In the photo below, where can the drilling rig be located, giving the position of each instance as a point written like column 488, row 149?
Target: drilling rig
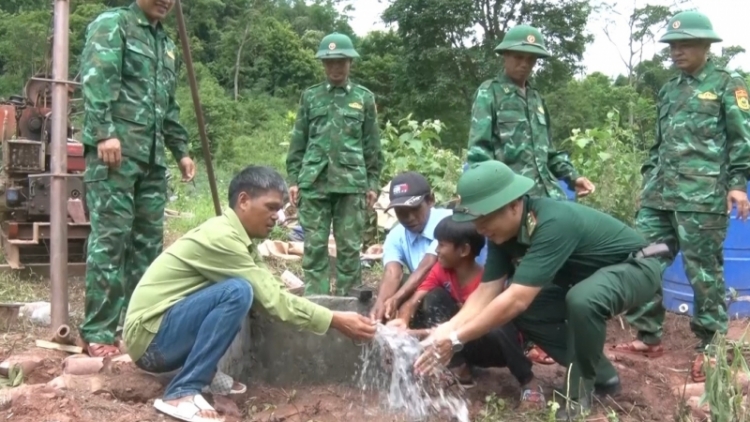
column 44, row 222
column 25, row 180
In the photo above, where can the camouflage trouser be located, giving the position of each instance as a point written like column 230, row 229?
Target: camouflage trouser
column 316, row 213
column 126, row 206
column 700, row 237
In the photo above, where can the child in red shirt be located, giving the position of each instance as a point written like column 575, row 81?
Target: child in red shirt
column 445, row 289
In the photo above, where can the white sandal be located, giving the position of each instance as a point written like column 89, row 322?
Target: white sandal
column 187, row 410
column 223, row 385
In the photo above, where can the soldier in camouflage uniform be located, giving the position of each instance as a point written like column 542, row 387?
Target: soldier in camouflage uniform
column 696, row 172
column 334, row 164
column 129, row 74
column 510, row 122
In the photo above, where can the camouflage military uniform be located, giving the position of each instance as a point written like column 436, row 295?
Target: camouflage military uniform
column 129, row 74
column 335, row 159
column 702, row 151
column 513, row 126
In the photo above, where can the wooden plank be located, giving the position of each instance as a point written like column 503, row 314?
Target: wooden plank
column 55, row 346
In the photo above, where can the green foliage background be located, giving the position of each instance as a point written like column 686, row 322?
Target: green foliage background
column 253, row 58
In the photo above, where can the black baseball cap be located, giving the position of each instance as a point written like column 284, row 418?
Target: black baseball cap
column 408, row 189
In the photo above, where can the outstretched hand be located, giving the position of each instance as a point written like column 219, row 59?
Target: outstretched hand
column 354, row 325
column 438, row 351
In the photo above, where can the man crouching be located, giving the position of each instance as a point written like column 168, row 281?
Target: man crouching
column 190, row 303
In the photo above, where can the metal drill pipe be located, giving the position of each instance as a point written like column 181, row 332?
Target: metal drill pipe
column 197, row 104
column 59, row 167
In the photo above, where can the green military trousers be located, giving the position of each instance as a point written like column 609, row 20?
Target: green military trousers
column 700, row 237
column 570, row 325
column 126, row 208
column 317, row 211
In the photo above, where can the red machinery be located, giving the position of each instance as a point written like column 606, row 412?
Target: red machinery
column 25, row 180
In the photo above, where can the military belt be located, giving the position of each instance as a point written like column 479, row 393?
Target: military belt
column 653, row 250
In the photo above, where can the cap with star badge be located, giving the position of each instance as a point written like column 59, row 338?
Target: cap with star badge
column 336, row 46
column 524, row 39
column 690, row 25
column 486, row 187
column 408, row 189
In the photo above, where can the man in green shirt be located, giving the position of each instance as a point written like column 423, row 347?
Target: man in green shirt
column 580, row 267
column 190, row 303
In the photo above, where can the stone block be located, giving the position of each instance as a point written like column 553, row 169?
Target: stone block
column 284, row 355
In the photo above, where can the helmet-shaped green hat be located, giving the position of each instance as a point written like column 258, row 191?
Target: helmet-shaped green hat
column 690, row 25
column 526, row 39
column 336, row 46
column 486, row 187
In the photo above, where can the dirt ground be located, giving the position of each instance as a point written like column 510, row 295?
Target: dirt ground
column 122, row 393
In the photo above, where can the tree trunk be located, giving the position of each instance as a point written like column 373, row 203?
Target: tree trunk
column 237, row 63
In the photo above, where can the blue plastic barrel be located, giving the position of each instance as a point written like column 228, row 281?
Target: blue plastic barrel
column 678, row 294
column 482, row 258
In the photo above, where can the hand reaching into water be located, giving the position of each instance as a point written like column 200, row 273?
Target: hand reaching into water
column 398, row 323
column 354, row 325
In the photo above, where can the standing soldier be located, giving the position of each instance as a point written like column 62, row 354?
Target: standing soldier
column 334, row 166
column 510, row 123
column 697, row 170
column 129, row 76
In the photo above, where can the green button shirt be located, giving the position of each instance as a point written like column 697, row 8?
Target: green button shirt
column 514, row 128
column 335, row 145
column 129, row 78
column 702, row 147
column 215, row 251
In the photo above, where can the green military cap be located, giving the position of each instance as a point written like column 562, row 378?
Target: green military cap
column 690, row 25
column 336, row 46
column 486, row 187
column 526, row 39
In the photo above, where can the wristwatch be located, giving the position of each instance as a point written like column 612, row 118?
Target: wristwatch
column 455, row 342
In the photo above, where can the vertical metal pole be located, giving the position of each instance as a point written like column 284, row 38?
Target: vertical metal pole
column 197, row 104
column 59, row 167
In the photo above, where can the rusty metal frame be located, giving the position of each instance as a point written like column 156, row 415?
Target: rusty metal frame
column 59, row 165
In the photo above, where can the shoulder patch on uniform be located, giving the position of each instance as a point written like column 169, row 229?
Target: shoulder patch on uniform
column 707, row 96
column 530, row 223
column 355, row 105
column 742, row 101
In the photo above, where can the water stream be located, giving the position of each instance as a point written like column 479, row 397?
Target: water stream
column 387, row 373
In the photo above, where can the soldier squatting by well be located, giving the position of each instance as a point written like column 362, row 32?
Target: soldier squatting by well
column 555, row 271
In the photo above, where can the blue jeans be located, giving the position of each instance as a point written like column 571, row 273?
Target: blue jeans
column 194, row 335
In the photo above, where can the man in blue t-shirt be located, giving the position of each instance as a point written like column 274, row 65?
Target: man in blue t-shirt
column 411, row 243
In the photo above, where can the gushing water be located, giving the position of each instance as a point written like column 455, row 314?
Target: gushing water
column 387, row 370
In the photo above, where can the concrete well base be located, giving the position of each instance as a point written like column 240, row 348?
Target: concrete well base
column 274, row 353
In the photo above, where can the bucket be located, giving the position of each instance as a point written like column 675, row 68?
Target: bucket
column 678, row 294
